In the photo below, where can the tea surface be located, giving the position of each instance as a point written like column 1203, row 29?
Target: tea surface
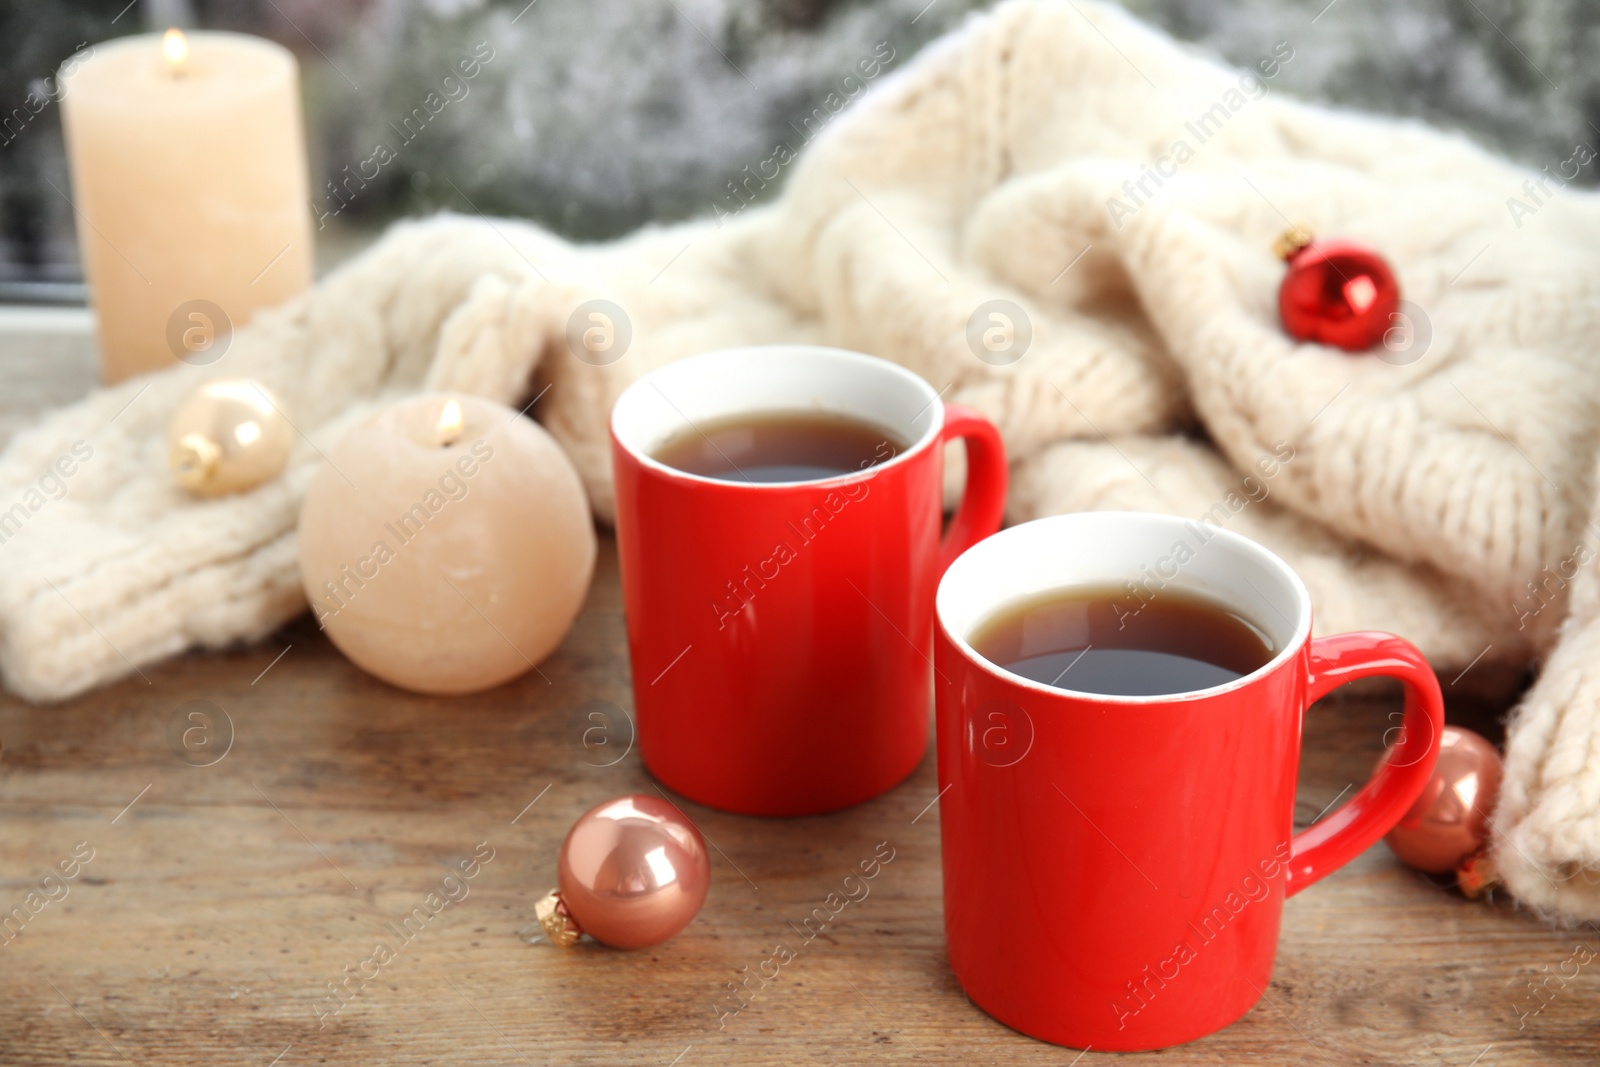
column 1105, row 640
column 782, row 446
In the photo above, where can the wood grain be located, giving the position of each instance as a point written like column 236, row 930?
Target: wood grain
column 222, row 899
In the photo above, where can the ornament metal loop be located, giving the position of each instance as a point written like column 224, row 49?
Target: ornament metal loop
column 194, row 460
column 551, row 911
column 1291, row 241
column 1477, row 877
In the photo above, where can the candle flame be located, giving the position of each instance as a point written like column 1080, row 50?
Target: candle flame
column 175, row 49
column 450, row 423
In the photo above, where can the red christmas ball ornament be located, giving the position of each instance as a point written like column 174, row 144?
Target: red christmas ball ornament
column 632, row 873
column 1448, row 827
column 1335, row 292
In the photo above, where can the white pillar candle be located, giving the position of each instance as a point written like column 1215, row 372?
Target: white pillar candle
column 189, row 190
column 446, row 545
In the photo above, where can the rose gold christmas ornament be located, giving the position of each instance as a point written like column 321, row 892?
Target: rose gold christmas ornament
column 1449, row 823
column 633, row 872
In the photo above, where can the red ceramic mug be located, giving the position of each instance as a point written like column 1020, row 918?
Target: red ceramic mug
column 781, row 634
column 1115, row 867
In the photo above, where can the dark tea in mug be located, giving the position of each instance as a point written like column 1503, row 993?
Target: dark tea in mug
column 780, row 446
column 1102, row 640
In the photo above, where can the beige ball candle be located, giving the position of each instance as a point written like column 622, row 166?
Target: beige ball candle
column 446, row 544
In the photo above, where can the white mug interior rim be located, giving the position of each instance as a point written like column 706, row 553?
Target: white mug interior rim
column 1100, row 548
column 759, row 379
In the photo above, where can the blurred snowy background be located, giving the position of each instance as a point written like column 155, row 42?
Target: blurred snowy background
column 594, row 116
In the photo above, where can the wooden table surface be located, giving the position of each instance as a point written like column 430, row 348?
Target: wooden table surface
column 222, row 899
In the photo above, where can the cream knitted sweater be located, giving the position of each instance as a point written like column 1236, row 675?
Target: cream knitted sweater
column 1121, row 192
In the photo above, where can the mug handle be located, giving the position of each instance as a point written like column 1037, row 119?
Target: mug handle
column 1384, row 801
column 983, row 501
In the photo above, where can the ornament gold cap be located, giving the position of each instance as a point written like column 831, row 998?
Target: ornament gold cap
column 1291, row 241
column 558, row 923
column 193, row 460
column 1477, row 876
